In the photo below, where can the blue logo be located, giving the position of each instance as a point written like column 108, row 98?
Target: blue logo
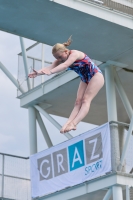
column 94, row 167
column 76, row 155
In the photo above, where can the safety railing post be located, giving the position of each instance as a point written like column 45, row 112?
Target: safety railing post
column 2, row 185
column 112, row 116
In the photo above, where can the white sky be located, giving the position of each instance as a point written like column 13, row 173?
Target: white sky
column 14, row 130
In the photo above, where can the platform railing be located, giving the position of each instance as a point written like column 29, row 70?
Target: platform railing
column 123, row 6
column 34, row 61
column 14, row 177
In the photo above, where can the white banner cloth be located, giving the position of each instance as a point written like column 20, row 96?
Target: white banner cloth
column 82, row 158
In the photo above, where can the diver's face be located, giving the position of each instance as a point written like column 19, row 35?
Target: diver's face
column 61, row 56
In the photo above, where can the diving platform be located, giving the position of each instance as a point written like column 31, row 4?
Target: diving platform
column 64, row 87
column 103, row 31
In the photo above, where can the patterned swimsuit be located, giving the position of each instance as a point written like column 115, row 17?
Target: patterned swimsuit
column 85, row 68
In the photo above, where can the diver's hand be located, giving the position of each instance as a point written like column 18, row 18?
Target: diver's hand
column 45, row 71
column 35, row 74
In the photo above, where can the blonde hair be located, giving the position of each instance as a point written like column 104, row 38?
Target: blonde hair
column 63, row 46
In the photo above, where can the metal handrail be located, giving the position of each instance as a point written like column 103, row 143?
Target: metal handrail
column 45, row 61
column 5, row 175
column 112, row 5
column 5, row 154
column 119, row 123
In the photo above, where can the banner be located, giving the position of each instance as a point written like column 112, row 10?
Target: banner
column 82, row 158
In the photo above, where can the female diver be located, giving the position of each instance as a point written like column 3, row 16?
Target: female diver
column 91, row 82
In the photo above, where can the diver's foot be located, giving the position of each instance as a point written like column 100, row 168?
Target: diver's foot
column 63, row 128
column 70, row 127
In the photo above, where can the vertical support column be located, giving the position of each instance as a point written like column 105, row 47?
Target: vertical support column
column 32, row 79
column 42, row 60
column 110, row 94
column 25, row 61
column 112, row 116
column 117, row 193
column 121, row 143
column 130, row 193
column 2, row 189
column 32, row 130
column 44, row 130
column 126, row 143
column 127, row 193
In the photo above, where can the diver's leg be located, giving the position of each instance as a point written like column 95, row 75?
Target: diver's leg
column 77, row 106
column 95, row 84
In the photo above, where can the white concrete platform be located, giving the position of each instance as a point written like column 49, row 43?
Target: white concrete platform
column 57, row 97
column 101, row 33
column 94, row 189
